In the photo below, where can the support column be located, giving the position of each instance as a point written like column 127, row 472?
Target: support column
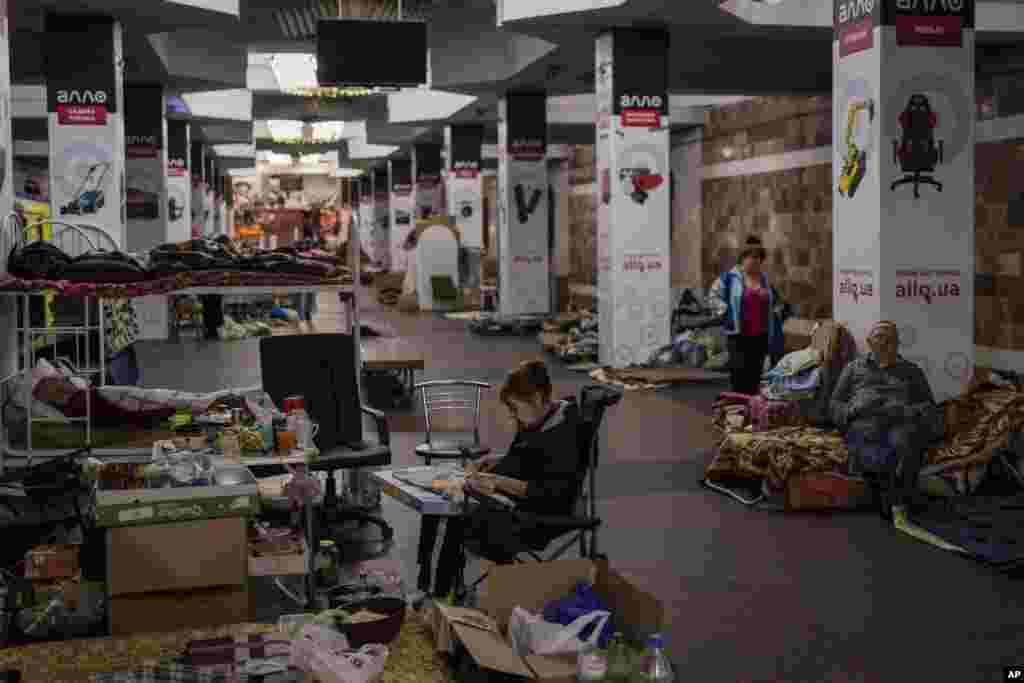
column 523, row 260
column 366, row 213
column 145, row 165
column 381, row 218
column 85, row 101
column 633, row 214
column 466, row 195
column 561, row 256
column 402, row 208
column 209, row 207
column 198, row 203
column 8, row 340
column 903, row 213
column 179, row 190
column 427, row 171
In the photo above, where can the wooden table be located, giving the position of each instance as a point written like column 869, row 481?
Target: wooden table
column 394, row 355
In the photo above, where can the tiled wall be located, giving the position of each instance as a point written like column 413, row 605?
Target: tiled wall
column 999, row 246
column 790, row 210
column 583, row 217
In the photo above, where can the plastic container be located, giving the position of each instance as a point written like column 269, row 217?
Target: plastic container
column 326, row 564
column 620, row 661
column 655, row 665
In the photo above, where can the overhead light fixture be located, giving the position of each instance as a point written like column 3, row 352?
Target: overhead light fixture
column 309, row 159
column 320, row 132
column 348, row 173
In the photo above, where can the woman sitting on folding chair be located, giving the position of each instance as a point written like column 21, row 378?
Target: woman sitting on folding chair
column 540, row 473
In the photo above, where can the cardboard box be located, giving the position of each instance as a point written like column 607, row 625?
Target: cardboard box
column 177, row 610
column 156, row 506
column 52, row 562
column 532, row 586
column 290, row 564
column 172, row 557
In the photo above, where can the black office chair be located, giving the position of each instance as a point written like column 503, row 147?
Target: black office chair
column 917, row 152
column 321, row 369
column 593, row 402
column 443, row 399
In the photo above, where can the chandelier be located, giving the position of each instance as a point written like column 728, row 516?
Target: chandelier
column 331, row 93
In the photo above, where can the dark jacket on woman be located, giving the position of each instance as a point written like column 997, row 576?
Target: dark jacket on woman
column 547, row 458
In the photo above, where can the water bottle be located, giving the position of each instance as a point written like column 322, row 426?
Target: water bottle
column 591, row 664
column 619, row 666
column 655, row 666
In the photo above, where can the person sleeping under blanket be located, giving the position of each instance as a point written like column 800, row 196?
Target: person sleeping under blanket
column 889, row 418
column 73, row 400
column 540, row 472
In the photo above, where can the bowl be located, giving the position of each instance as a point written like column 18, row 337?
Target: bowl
column 382, row 631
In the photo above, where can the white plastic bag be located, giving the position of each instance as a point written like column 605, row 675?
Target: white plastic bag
column 530, row 634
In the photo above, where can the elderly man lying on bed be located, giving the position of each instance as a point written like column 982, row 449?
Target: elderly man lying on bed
column 885, row 407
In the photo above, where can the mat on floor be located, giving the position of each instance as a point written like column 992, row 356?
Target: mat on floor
column 412, row 657
column 990, row 530
column 467, row 316
column 633, row 379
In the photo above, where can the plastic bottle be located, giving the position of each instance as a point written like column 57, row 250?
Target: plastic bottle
column 619, row 665
column 591, row 664
column 655, row 666
column 326, row 564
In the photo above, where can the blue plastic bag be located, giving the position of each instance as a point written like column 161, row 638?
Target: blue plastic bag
column 583, row 600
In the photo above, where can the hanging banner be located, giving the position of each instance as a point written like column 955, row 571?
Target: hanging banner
column 634, row 283
column 179, row 183
column 429, row 189
column 86, row 128
column 402, row 206
column 904, row 109
column 145, row 167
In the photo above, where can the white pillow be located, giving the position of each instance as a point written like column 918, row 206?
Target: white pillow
column 24, row 398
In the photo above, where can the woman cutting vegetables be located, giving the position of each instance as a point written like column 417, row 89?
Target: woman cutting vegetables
column 539, row 473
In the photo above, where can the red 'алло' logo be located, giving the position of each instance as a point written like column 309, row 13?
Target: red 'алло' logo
column 928, row 286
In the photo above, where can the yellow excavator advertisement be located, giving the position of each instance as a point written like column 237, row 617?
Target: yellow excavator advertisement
column 855, row 161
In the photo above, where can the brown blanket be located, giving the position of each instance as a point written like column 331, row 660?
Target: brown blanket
column 978, row 425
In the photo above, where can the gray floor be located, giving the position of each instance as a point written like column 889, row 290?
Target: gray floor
column 751, row 596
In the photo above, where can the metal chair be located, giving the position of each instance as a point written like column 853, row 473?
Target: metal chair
column 581, row 528
column 447, row 398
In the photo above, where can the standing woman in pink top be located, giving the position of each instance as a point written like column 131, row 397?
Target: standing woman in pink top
column 752, row 317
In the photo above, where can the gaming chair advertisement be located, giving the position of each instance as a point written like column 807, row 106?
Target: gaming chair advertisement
column 429, row 188
column 145, row 167
column 524, row 260
column 403, row 211
column 903, row 208
column 634, row 208
column 179, row 183
column 86, row 128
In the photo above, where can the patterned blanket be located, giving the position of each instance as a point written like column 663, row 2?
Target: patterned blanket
column 978, row 425
column 170, row 283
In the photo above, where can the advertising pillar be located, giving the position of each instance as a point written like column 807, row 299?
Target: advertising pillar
column 85, row 104
column 8, row 340
column 465, row 196
column 209, row 187
column 633, row 212
column 179, row 185
column 523, row 258
column 366, row 214
column 402, row 207
column 144, row 167
column 198, row 203
column 381, row 218
column 429, row 189
column 903, row 213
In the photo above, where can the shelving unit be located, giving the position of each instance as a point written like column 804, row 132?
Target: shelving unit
column 75, row 239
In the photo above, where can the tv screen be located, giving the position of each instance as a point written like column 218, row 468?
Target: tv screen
column 291, row 183
column 368, row 53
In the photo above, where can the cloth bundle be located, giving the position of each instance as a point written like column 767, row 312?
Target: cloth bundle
column 797, row 377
